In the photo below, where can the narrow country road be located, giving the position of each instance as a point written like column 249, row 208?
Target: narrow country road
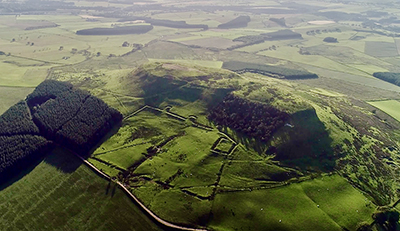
column 154, row 216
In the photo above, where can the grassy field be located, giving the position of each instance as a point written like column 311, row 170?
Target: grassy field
column 62, row 194
column 12, row 95
column 327, row 203
column 315, row 60
column 352, row 78
column 221, row 43
column 16, row 76
column 391, row 107
column 184, row 172
column 381, row 49
column 184, row 161
column 203, row 63
column 175, row 180
column 326, row 92
column 335, row 196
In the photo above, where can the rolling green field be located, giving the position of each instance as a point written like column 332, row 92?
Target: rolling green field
column 381, row 49
column 319, row 204
column 63, row 194
column 190, row 173
column 12, row 95
column 170, row 155
column 391, row 107
column 205, row 63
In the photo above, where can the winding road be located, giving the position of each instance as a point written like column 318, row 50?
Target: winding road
column 149, row 212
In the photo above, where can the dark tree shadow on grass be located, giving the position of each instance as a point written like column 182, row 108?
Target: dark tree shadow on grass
column 63, row 160
column 9, row 178
column 66, row 161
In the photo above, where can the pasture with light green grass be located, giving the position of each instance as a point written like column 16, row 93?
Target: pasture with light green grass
column 284, row 208
column 391, row 107
column 262, row 174
column 335, row 196
column 12, row 95
column 314, row 60
column 327, row 203
column 189, row 162
column 181, row 165
column 203, row 63
column 15, row 76
column 381, row 49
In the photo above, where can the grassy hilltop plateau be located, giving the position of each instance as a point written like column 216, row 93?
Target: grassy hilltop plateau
column 199, row 115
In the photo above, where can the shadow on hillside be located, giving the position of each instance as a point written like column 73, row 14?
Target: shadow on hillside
column 303, row 142
column 250, row 143
column 58, row 157
column 306, row 143
column 66, row 161
column 7, row 180
column 188, row 94
column 63, row 160
column 185, row 93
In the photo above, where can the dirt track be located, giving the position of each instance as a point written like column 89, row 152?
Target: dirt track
column 149, row 212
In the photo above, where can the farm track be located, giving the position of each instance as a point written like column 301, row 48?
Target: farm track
column 119, row 148
column 108, row 164
column 18, row 86
column 135, row 112
column 148, row 211
column 37, row 60
column 120, row 102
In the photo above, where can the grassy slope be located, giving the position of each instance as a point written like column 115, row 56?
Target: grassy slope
column 391, row 107
column 334, row 213
column 50, row 198
column 187, row 164
column 275, row 209
column 125, row 157
column 326, row 203
column 11, row 95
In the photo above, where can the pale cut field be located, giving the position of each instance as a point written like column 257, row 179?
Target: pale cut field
column 322, row 22
column 204, row 63
column 217, row 42
column 391, row 107
column 12, row 95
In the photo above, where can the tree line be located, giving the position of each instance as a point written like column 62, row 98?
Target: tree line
column 175, row 24
column 165, row 22
column 253, row 119
column 74, row 118
column 19, row 151
column 50, row 89
column 54, row 112
column 390, row 77
column 93, row 121
column 277, row 35
column 238, row 22
column 123, row 30
column 280, row 72
column 17, row 120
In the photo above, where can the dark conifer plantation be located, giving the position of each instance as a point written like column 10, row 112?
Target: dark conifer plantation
column 17, row 120
column 250, row 118
column 390, row 77
column 54, row 112
column 19, row 151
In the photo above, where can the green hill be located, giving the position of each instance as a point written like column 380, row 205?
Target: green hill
column 62, row 194
column 178, row 161
column 185, row 163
